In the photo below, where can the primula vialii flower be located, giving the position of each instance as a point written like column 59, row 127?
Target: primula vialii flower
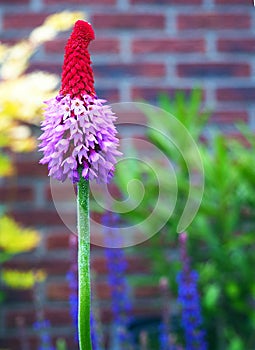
column 78, row 128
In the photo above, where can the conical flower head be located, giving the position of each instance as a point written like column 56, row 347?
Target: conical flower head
column 77, row 76
column 78, row 130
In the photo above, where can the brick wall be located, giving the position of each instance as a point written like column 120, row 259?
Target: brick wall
column 142, row 48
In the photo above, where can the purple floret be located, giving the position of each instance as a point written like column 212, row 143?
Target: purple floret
column 79, row 133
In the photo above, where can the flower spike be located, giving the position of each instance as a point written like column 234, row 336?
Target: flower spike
column 77, row 76
column 78, row 130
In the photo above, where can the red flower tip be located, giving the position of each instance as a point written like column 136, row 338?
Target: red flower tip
column 77, row 76
column 85, row 30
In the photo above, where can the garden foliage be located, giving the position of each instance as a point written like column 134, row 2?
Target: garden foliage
column 221, row 242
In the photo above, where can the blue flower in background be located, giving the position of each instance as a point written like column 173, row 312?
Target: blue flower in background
column 73, row 300
column 189, row 299
column 164, row 337
column 95, row 339
column 117, row 267
column 43, row 327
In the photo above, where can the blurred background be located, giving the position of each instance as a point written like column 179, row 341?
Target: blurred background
column 192, row 58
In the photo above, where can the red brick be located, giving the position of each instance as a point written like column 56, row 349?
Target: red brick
column 168, row 2
column 28, row 315
column 147, row 291
column 59, row 291
column 129, row 116
column 236, row 46
column 128, row 21
column 239, row 137
column 16, row 2
column 18, row 295
column 82, row 2
column 149, row 310
column 135, row 264
column 23, row 20
column 105, row 45
column 56, row 46
column 61, row 192
column 146, row 46
column 112, row 95
column 50, row 266
column 16, row 193
column 234, row 2
column 152, row 93
column 58, row 316
column 138, row 264
column 103, row 291
column 10, row 343
column 54, row 267
column 213, row 69
column 214, row 21
column 25, row 168
column 35, row 217
column 236, row 94
column 58, row 241
column 121, row 71
column 98, row 46
column 229, row 117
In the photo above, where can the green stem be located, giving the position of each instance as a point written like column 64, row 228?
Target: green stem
column 84, row 265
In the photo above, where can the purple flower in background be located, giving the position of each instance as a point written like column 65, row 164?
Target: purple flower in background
column 164, row 327
column 79, row 133
column 189, row 299
column 43, row 327
column 117, row 267
column 96, row 338
column 164, row 337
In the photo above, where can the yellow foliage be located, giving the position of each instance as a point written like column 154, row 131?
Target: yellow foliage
column 16, row 60
column 6, row 168
column 22, row 279
column 14, row 239
column 53, row 24
column 22, row 98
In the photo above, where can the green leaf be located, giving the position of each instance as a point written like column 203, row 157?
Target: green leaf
column 236, row 344
column 61, row 344
column 212, row 295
